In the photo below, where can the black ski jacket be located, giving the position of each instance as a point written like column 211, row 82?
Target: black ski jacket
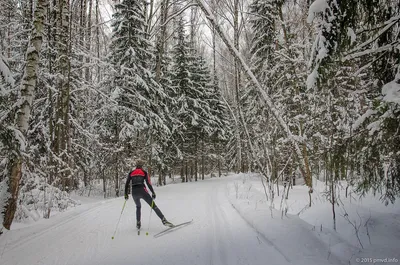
column 138, row 177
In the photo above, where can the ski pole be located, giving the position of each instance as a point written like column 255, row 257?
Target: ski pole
column 123, row 207
column 151, row 210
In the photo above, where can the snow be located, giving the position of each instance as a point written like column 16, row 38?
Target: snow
column 233, row 224
column 374, row 127
column 391, row 91
column 352, row 35
column 312, row 78
column 362, row 118
column 316, row 7
column 5, row 71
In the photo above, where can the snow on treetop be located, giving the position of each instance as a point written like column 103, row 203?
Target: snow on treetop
column 316, row 7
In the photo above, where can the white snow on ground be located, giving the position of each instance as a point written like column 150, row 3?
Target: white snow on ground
column 232, row 224
column 378, row 226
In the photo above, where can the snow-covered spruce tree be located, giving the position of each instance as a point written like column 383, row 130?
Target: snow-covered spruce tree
column 351, row 70
column 222, row 130
column 7, row 141
column 196, row 99
column 378, row 61
column 263, row 24
column 140, row 109
column 165, row 153
column 204, row 99
column 181, row 82
column 13, row 44
column 16, row 19
column 8, row 78
column 330, row 81
column 169, row 153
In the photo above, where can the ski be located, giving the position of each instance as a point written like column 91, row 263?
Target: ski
column 173, row 228
column 138, row 232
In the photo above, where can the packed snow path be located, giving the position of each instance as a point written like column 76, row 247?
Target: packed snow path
column 218, row 235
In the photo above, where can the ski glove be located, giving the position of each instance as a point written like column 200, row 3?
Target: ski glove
column 153, row 196
column 126, row 196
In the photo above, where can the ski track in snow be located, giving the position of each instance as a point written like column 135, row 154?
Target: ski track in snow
column 218, row 235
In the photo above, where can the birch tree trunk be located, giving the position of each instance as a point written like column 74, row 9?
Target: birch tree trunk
column 215, row 81
column 237, row 86
column 82, row 25
column 28, row 85
column 193, row 28
column 98, row 39
column 89, row 42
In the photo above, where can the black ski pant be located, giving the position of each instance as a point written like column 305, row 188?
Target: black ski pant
column 141, row 193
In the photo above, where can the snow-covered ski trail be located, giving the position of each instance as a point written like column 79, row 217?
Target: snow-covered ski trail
column 218, row 236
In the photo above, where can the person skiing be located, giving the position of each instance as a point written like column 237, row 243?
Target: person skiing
column 138, row 177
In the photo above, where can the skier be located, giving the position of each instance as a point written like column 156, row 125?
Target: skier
column 138, row 176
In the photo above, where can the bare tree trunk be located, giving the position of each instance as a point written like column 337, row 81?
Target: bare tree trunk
column 237, row 85
column 193, row 18
column 277, row 187
column 104, row 183
column 186, row 171
column 145, row 11
column 98, row 39
column 151, row 14
column 27, row 94
column 195, row 158
column 85, row 177
column 82, row 25
column 52, row 33
column 159, row 180
column 182, row 172
column 191, row 170
column 333, row 203
column 116, row 178
column 89, row 42
column 202, row 159
column 62, row 107
column 287, row 192
column 160, row 46
column 116, row 155
column 219, row 160
column 215, row 82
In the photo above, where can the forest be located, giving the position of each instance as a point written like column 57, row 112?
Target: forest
column 196, row 88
